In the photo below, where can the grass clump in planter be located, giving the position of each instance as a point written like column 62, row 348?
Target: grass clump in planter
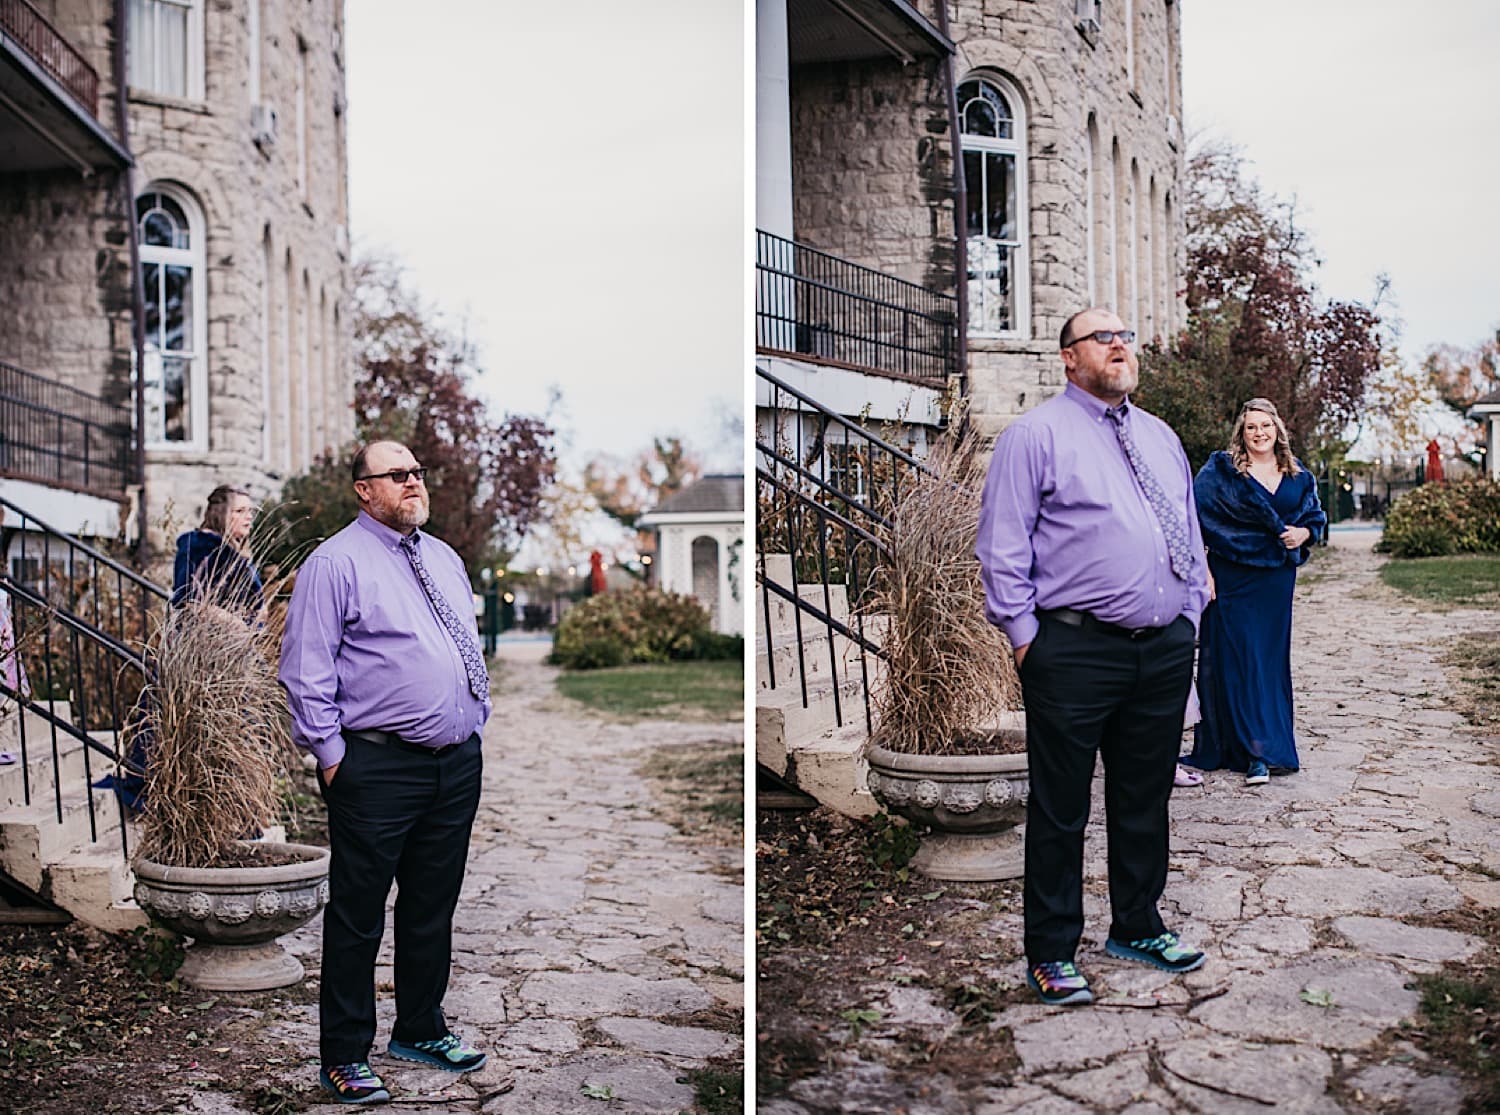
column 216, row 730
column 948, row 673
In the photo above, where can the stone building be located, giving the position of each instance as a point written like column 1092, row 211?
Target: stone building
column 938, row 188
column 174, row 264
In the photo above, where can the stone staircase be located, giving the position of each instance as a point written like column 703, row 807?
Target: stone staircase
column 65, row 860
column 814, row 743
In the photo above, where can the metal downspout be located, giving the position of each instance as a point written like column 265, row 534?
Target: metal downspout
column 137, row 301
column 960, row 210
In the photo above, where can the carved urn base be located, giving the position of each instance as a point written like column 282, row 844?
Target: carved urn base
column 974, row 805
column 235, row 914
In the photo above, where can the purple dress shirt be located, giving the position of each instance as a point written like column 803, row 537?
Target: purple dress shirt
column 363, row 648
column 1064, row 523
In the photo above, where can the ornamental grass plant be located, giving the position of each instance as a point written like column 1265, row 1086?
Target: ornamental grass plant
column 217, row 734
column 949, row 673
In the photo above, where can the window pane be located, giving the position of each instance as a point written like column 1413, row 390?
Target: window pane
column 974, row 191
column 177, row 313
column 983, row 110
column 172, row 40
column 990, row 294
column 151, row 295
column 140, row 53
column 1000, row 197
column 176, row 376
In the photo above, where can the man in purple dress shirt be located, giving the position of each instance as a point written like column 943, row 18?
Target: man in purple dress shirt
column 387, row 696
column 1093, row 567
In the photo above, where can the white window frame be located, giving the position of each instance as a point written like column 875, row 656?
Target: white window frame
column 195, row 257
column 1021, row 252
column 193, row 64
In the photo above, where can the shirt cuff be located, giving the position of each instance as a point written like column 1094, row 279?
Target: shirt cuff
column 1021, row 631
column 330, row 752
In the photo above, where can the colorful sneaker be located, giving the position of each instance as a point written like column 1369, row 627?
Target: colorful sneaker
column 1059, row 984
column 1258, row 775
column 1162, row 952
column 449, row 1052
column 353, row 1083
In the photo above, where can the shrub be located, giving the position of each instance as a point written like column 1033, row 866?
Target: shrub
column 643, row 625
column 711, row 646
column 1439, row 519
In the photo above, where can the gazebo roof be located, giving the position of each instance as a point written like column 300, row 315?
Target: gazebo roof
column 715, row 493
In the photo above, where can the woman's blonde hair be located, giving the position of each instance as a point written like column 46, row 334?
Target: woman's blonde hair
column 216, row 514
column 1239, row 452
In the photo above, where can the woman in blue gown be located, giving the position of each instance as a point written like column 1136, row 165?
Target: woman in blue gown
column 1260, row 513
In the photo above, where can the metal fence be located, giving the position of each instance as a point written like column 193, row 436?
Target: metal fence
column 56, row 434
column 814, row 305
column 22, row 22
column 72, row 658
column 825, row 487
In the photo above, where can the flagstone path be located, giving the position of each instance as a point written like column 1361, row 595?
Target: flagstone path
column 595, row 947
column 1315, row 896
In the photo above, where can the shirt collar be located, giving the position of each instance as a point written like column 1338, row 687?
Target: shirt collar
column 1094, row 406
column 390, row 539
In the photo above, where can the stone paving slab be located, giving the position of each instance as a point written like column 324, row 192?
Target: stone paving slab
column 1314, row 897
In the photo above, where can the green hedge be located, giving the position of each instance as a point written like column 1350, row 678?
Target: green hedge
column 643, row 625
column 1439, row 519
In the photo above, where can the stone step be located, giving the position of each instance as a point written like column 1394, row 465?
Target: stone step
column 832, row 768
column 783, row 724
column 783, row 613
column 95, row 885
column 32, row 838
column 71, row 770
column 792, row 660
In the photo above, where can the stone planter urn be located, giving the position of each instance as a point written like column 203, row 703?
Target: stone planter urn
column 974, row 805
column 235, row 914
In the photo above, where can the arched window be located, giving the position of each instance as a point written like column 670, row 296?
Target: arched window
column 994, row 154
column 166, row 47
column 170, row 227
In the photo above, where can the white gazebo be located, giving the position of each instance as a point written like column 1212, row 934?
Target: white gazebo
column 1487, row 410
column 700, row 547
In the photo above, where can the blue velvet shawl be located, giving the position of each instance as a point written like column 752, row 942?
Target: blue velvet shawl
column 1238, row 520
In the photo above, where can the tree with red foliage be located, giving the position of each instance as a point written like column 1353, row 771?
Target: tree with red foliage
column 1256, row 325
column 485, row 478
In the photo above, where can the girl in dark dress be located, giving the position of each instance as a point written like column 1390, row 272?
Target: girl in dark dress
column 1260, row 513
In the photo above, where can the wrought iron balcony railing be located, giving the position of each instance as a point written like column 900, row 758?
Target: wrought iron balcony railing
column 816, row 306
column 55, row 434
column 22, row 22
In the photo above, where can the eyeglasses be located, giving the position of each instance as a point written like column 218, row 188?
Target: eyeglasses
column 397, row 475
column 1105, row 336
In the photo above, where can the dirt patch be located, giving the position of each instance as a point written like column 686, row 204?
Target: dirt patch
column 860, row 959
column 97, row 1023
column 1474, row 663
column 701, row 789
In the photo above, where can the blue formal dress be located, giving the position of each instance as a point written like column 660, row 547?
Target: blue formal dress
column 1245, row 657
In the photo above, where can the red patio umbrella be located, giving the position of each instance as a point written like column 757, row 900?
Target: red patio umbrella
column 596, row 573
column 1434, row 462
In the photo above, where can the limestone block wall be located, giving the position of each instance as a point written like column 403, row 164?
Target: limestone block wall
column 872, row 173
column 275, row 221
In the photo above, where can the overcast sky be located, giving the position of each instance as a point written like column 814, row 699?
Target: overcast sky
column 568, row 181
column 1382, row 118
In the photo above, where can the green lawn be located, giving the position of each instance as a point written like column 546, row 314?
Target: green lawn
column 670, row 690
column 1463, row 579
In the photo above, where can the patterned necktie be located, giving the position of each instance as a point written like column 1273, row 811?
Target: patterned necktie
column 1171, row 519
column 468, row 650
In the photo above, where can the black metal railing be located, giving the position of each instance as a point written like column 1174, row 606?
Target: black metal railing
column 72, row 659
column 56, row 434
column 22, row 22
column 825, row 487
column 817, row 306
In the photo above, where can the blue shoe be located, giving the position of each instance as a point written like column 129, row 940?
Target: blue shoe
column 1059, row 984
column 1162, row 952
column 1257, row 775
column 449, row 1052
column 355, row 1082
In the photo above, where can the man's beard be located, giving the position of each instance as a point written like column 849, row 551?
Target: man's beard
column 411, row 515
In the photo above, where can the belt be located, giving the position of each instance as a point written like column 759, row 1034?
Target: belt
column 391, row 739
column 1074, row 618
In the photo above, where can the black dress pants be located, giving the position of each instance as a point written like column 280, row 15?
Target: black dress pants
column 394, row 813
column 1089, row 691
